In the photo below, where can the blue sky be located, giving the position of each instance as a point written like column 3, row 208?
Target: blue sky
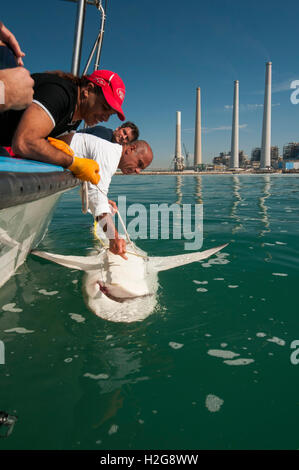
column 164, row 49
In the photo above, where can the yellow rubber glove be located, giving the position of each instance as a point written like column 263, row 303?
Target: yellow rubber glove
column 60, row 145
column 83, row 168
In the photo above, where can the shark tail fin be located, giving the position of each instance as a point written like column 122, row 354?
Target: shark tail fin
column 170, row 262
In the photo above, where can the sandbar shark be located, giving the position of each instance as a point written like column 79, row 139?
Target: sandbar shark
column 122, row 290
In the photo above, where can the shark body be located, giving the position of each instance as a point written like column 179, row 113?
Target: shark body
column 123, row 290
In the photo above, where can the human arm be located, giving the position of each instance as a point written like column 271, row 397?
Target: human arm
column 117, row 245
column 29, row 140
column 9, row 39
column 15, row 96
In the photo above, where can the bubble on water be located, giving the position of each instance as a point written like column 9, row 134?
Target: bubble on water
column 276, row 340
column 45, row 292
column 201, row 282
column 96, row 377
column 201, row 289
column 222, row 354
column 76, row 317
column 75, row 281
column 239, row 362
column 280, row 243
column 223, row 345
column 113, row 429
column 219, row 279
column 68, row 359
column 213, row 403
column 11, row 308
column 232, row 287
column 280, row 274
column 174, row 345
column 261, row 335
column 19, row 330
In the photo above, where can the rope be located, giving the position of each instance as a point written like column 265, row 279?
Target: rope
column 106, row 247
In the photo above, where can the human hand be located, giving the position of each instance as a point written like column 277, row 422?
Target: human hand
column 85, row 169
column 18, row 88
column 61, row 145
column 118, row 247
column 113, row 206
column 7, row 37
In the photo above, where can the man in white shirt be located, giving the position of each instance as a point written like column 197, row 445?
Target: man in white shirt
column 130, row 158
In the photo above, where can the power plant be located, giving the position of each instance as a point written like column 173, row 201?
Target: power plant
column 234, row 156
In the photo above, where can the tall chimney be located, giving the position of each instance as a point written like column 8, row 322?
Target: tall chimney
column 178, row 157
column 266, row 137
column 178, row 145
column 197, row 140
column 234, row 159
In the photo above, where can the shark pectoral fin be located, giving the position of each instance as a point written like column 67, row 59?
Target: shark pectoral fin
column 170, row 262
column 83, row 263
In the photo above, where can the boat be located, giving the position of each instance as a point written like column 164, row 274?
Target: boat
column 29, row 189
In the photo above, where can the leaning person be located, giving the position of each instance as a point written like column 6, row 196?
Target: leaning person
column 129, row 158
column 127, row 132
column 60, row 102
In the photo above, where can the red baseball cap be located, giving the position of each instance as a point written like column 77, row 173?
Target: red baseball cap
column 113, row 89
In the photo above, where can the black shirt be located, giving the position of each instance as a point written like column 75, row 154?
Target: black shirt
column 56, row 95
column 99, row 131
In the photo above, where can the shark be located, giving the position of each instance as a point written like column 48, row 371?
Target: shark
column 120, row 290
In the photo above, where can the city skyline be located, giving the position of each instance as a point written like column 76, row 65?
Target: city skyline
column 164, row 54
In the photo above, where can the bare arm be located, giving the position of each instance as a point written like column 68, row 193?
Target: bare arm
column 15, row 96
column 29, row 140
column 117, row 245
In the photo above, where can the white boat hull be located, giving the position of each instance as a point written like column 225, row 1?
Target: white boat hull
column 22, row 227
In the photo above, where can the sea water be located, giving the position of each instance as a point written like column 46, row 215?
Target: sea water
column 211, row 368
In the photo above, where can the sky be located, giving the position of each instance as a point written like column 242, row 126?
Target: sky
column 163, row 50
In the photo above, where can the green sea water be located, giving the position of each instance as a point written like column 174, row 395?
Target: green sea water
column 209, row 369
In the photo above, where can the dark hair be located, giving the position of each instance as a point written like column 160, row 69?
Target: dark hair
column 134, row 128
column 78, row 81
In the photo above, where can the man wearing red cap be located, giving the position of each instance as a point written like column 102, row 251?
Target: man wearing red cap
column 60, row 102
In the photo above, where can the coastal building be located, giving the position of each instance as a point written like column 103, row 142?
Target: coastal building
column 256, row 155
column 291, row 151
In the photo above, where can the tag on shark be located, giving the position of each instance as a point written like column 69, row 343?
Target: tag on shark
column 122, row 290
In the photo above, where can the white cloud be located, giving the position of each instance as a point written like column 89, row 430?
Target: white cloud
column 250, row 107
column 207, row 130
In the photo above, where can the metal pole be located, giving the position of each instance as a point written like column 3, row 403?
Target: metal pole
column 78, row 37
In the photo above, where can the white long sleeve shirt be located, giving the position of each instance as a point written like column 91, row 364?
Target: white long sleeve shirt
column 107, row 155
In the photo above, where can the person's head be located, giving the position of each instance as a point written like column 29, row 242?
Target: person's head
column 101, row 94
column 135, row 157
column 126, row 133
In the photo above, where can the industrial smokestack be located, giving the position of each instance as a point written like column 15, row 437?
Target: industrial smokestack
column 234, row 159
column 178, row 158
column 178, row 145
column 197, row 140
column 266, row 137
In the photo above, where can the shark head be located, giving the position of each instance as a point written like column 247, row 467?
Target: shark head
column 123, row 290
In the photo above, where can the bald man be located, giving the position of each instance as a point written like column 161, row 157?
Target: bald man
column 130, row 158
